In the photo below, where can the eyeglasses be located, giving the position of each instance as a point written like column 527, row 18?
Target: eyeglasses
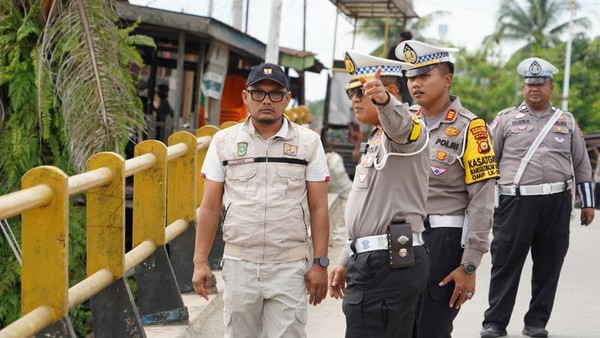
column 274, row 95
column 358, row 91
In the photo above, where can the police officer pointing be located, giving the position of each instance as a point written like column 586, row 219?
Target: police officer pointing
column 540, row 150
column 386, row 265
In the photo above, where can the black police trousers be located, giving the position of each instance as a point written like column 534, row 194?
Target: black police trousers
column 520, row 223
column 433, row 315
column 380, row 301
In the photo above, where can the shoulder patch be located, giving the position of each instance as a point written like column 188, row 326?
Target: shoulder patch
column 479, row 159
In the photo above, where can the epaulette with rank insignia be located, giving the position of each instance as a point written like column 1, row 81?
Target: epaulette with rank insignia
column 415, row 109
column 504, row 111
column 466, row 113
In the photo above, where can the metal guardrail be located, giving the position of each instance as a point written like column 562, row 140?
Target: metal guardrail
column 167, row 190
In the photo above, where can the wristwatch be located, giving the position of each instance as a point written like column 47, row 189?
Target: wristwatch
column 322, row 261
column 469, row 268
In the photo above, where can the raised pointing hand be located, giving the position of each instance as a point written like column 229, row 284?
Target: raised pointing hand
column 374, row 88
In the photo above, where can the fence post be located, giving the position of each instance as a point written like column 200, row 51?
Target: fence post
column 181, row 204
column 113, row 309
column 159, row 299
column 45, row 245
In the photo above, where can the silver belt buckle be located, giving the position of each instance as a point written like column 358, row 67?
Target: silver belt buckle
column 547, row 189
column 349, row 248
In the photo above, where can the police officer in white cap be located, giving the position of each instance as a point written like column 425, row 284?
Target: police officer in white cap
column 386, row 265
column 460, row 201
column 540, row 150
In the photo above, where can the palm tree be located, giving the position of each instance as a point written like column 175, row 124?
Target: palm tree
column 537, row 22
column 86, row 57
column 375, row 29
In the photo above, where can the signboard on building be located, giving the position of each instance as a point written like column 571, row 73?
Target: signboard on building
column 214, row 76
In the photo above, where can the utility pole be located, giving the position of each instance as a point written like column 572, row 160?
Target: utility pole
column 272, row 54
column 565, row 93
column 237, row 9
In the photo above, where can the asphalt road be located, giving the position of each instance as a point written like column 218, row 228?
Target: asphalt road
column 576, row 311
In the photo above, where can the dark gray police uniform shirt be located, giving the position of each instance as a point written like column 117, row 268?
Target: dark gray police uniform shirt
column 515, row 129
column 399, row 189
column 448, row 192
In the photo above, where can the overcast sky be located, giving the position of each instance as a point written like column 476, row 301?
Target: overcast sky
column 468, row 23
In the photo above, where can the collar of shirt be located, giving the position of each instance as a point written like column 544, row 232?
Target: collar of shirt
column 282, row 133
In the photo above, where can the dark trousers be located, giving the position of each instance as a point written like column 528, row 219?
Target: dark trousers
column 597, row 195
column 433, row 315
column 380, row 301
column 520, row 223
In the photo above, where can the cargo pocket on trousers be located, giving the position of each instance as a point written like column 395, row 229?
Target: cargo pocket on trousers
column 302, row 316
column 351, row 305
column 501, row 246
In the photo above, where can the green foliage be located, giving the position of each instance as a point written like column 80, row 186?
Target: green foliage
column 375, row 28
column 19, row 140
column 77, row 246
column 86, row 57
column 33, row 129
column 535, row 22
column 486, row 87
column 10, row 280
column 80, row 315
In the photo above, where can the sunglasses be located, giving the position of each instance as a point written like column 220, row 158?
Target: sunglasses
column 358, row 91
column 274, row 95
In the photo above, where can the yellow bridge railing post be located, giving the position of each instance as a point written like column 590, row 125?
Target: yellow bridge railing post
column 181, row 204
column 159, row 299
column 163, row 210
column 149, row 196
column 105, row 217
column 45, row 245
column 114, row 311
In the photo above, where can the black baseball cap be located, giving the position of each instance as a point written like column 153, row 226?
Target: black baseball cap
column 267, row 71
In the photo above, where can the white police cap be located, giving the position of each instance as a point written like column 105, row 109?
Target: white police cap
column 359, row 64
column 424, row 57
column 536, row 70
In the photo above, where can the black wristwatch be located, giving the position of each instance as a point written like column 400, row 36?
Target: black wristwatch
column 469, row 268
column 322, row 261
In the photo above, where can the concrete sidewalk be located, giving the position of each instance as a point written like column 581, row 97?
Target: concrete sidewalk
column 575, row 315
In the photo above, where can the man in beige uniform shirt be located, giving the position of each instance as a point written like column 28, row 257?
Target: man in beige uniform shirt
column 271, row 175
column 460, row 201
column 535, row 201
column 385, row 273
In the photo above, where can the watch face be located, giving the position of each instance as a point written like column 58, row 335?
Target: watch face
column 469, row 268
column 322, row 261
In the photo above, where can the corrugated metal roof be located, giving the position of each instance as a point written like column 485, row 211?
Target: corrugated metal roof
column 361, row 9
column 195, row 25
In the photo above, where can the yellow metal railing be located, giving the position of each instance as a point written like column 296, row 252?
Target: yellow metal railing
column 166, row 192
